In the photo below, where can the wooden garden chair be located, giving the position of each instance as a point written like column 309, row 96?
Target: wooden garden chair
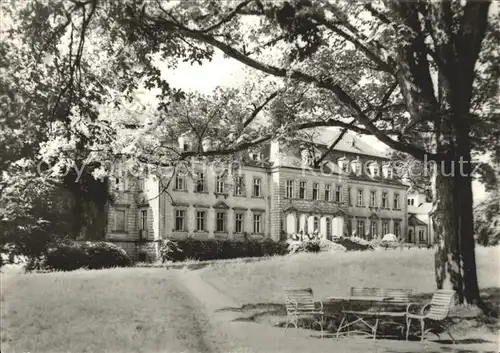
column 437, row 311
column 301, row 303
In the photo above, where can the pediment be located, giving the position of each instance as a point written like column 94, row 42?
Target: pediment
column 290, row 209
column 374, row 216
column 339, row 213
column 221, row 205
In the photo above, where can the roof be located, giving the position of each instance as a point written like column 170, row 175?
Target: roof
column 424, row 208
column 413, row 220
column 328, row 136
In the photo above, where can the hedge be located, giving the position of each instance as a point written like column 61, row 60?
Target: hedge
column 195, row 249
column 70, row 256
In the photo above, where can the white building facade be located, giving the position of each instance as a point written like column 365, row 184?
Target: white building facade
column 272, row 194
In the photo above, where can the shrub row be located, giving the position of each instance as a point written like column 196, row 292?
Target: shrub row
column 194, row 249
column 354, row 244
column 70, row 256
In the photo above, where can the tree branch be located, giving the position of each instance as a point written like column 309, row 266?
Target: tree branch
column 259, row 108
column 341, row 95
column 357, row 43
column 332, row 146
column 227, row 18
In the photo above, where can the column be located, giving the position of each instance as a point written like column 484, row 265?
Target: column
column 291, row 224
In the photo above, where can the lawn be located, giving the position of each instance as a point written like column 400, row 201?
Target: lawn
column 119, row 310
column 333, row 273
column 156, row 310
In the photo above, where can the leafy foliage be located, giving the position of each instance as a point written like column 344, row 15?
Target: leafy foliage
column 91, row 255
column 401, row 71
column 193, row 249
column 487, row 220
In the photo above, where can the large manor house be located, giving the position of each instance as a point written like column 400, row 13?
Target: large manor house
column 275, row 193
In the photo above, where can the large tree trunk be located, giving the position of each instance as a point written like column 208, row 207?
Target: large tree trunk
column 455, row 263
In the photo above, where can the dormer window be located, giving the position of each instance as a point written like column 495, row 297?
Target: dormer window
column 184, row 142
column 387, row 171
column 255, row 156
column 374, row 170
column 305, row 155
column 356, row 166
column 343, row 163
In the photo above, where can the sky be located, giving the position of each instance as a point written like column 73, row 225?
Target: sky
column 229, row 72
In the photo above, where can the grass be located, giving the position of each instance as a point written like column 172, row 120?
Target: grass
column 152, row 309
column 334, row 273
column 258, row 288
column 119, row 310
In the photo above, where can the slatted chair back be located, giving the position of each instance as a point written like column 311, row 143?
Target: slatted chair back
column 299, row 301
column 399, row 296
column 440, row 304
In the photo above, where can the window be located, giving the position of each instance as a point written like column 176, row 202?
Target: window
column 257, row 187
column 257, row 223
column 338, row 193
column 315, row 191
column 219, row 186
column 141, row 184
column 179, row 220
column 349, row 200
column 143, row 223
column 375, row 171
column 316, row 224
column 121, row 181
column 397, row 228
column 238, row 185
column 200, row 221
column 220, row 225
column 356, row 167
column 421, row 235
column 328, row 191
column 302, row 190
column 396, row 201
column 179, row 183
column 361, row 228
column 239, row 223
column 373, row 199
column 349, row 226
column 373, row 229
column 200, row 182
column 360, row 202
column 120, row 220
column 289, row 189
column 384, row 199
column 385, row 227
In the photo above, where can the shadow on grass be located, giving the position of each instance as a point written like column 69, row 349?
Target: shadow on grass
column 391, row 329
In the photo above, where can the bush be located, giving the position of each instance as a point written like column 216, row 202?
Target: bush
column 105, row 255
column 354, row 243
column 65, row 257
column 303, row 246
column 70, row 256
column 183, row 249
column 328, row 245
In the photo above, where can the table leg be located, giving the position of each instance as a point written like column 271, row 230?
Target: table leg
column 340, row 326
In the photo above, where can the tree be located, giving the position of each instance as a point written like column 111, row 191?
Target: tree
column 400, row 71
column 433, row 60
